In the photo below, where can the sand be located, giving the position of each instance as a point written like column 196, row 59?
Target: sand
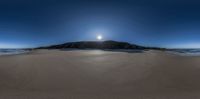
column 96, row 74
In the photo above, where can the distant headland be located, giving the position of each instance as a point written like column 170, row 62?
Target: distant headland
column 109, row 44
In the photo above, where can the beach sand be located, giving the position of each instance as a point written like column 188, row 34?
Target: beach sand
column 96, row 74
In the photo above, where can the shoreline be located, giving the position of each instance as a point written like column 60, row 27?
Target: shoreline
column 185, row 54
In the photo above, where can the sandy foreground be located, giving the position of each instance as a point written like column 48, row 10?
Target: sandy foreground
column 96, row 74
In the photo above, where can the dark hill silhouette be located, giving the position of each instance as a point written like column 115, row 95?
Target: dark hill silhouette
column 95, row 45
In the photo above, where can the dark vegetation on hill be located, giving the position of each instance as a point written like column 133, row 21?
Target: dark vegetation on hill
column 97, row 45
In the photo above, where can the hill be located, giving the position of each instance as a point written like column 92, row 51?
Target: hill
column 95, row 45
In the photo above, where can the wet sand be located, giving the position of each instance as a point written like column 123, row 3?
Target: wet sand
column 96, row 74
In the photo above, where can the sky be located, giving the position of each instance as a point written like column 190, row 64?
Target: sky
column 158, row 23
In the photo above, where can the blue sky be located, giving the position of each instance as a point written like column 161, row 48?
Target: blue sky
column 160, row 23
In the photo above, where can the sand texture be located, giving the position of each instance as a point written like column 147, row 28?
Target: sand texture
column 96, row 74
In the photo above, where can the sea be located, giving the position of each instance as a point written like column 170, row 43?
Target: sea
column 186, row 52
column 12, row 51
column 182, row 52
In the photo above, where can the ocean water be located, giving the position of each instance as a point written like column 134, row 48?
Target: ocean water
column 12, row 51
column 187, row 52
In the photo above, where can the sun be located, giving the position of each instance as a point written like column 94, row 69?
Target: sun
column 99, row 37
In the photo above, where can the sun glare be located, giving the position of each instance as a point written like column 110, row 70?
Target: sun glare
column 99, row 37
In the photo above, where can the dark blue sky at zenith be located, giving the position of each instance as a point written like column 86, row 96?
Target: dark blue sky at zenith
column 161, row 23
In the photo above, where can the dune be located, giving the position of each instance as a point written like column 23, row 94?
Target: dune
column 97, row 74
